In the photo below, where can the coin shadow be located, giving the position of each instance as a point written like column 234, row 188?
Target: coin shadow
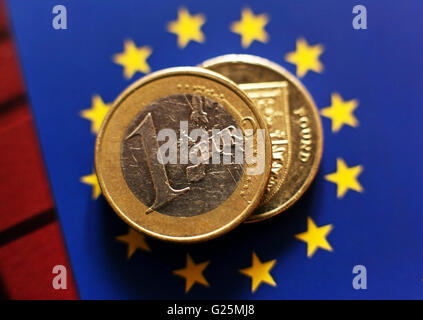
column 145, row 274
column 149, row 275
column 269, row 239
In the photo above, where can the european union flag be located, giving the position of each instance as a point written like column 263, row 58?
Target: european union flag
column 355, row 234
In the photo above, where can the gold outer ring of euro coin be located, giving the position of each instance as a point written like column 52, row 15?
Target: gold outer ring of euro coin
column 173, row 202
column 297, row 139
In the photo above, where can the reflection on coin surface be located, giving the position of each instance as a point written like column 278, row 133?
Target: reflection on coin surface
column 294, row 126
column 172, row 155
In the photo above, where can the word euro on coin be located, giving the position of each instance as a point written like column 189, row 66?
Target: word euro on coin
column 183, row 155
column 293, row 121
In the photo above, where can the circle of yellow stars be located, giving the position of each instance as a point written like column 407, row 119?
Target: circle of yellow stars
column 134, row 240
column 345, row 178
column 193, row 273
column 133, row 59
column 96, row 113
column 187, row 27
column 91, row 179
column 259, row 272
column 251, row 27
column 340, row 112
column 315, row 237
column 306, row 57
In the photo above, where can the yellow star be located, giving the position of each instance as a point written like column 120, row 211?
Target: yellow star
column 187, row 27
column 259, row 272
column 251, row 27
column 193, row 273
column 133, row 59
column 134, row 241
column 315, row 237
column 345, row 178
column 96, row 113
column 340, row 112
column 91, row 180
column 306, row 57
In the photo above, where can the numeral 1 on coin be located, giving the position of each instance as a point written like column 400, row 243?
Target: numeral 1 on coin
column 164, row 192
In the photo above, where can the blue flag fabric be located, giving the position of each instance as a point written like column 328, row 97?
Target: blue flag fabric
column 355, row 234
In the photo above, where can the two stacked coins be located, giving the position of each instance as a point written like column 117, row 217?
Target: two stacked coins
column 187, row 154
